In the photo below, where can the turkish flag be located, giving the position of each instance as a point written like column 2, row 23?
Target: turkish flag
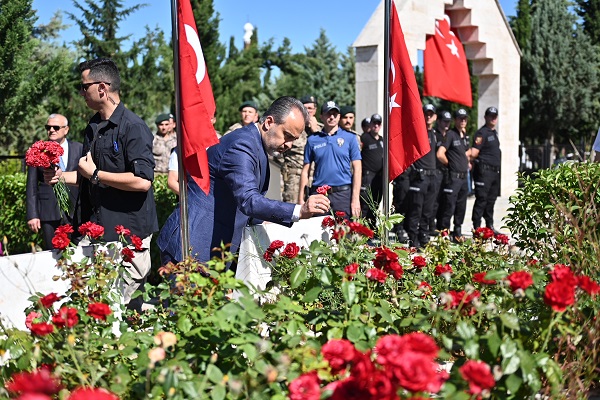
column 197, row 103
column 446, row 73
column 407, row 132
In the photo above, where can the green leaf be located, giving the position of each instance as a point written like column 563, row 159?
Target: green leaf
column 513, row 383
column 298, row 276
column 510, row 321
column 510, row 364
column 184, row 324
column 326, row 276
column 214, row 374
column 218, row 392
column 493, row 342
column 355, row 333
column 349, row 292
column 312, row 295
column 465, row 331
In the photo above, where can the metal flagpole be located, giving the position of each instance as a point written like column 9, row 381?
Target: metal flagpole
column 386, row 116
column 183, row 209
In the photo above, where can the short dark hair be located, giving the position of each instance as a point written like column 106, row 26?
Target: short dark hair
column 103, row 70
column 281, row 108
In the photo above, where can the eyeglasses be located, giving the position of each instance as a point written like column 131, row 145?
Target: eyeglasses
column 55, row 127
column 85, row 86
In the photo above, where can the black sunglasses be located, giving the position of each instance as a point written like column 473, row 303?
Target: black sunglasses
column 55, row 127
column 85, row 86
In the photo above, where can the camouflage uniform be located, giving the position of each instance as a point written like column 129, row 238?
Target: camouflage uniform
column 161, row 149
column 233, row 127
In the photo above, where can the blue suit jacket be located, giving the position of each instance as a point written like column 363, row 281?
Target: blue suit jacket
column 239, row 179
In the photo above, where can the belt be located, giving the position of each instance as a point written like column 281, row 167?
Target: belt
column 458, row 175
column 427, row 172
column 334, row 189
column 489, row 167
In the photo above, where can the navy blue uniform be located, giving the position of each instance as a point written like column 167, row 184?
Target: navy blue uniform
column 486, row 175
column 455, row 183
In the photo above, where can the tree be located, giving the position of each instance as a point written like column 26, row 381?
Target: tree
column 521, row 23
column 589, row 11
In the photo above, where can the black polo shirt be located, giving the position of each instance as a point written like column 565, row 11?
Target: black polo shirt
column 371, row 153
column 486, row 141
column 428, row 160
column 123, row 143
column 456, row 147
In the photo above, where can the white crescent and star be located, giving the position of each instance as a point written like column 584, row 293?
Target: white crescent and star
column 452, row 45
column 192, row 38
column 393, row 103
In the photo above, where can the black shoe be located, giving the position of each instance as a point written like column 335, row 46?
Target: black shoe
column 495, row 231
column 401, row 234
column 423, row 240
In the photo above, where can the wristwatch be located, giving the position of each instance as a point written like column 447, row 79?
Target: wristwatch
column 94, row 178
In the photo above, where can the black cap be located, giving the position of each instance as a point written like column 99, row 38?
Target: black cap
column 491, row 111
column 376, row 118
column 309, row 99
column 446, row 116
column 461, row 113
column 163, row 118
column 328, row 106
column 248, row 103
column 365, row 122
column 346, row 110
column 429, row 107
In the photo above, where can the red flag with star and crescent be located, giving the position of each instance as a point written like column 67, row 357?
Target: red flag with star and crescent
column 197, row 101
column 408, row 139
column 446, row 73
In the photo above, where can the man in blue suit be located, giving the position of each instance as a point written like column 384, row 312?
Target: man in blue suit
column 239, row 179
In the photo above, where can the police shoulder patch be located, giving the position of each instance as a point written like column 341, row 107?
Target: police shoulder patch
column 479, row 140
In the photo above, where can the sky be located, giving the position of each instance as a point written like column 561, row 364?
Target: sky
column 300, row 21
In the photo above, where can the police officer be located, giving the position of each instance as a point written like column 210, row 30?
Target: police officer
column 422, row 187
column 443, row 125
column 371, row 189
column 487, row 158
column 454, row 153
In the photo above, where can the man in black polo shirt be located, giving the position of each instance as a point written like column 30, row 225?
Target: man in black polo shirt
column 443, row 125
column 422, row 188
column 487, row 155
column 371, row 189
column 454, row 153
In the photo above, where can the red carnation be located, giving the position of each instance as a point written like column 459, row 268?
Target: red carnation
column 323, row 189
column 562, row 273
column 42, row 328
column 520, row 280
column 65, row 229
column 31, row 318
column 66, row 316
column 479, row 376
column 291, row 250
column 360, row 229
column 339, row 353
column 351, row 269
column 340, row 214
column 91, row 229
column 60, row 241
column 268, row 256
column 419, row 262
column 127, row 254
column 92, row 394
column 501, row 238
column 49, row 299
column 328, row 222
column 484, row 233
column 275, row 245
column 99, row 310
column 559, row 295
column 479, row 277
column 587, row 284
column 443, row 269
column 136, row 242
column 39, row 381
column 121, row 230
column 305, row 387
column 43, row 154
column 375, row 274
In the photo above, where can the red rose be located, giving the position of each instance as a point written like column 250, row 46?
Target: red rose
column 350, row 389
column 66, row 316
column 34, row 396
column 305, row 387
column 39, row 381
column 559, row 295
column 388, row 349
column 94, row 231
column 425, row 287
column 121, row 230
column 416, row 372
column 362, row 366
column 99, row 310
column 42, row 328
column 484, row 233
column 31, row 317
column 351, row 269
column 136, row 242
column 60, row 241
column 65, row 229
column 49, row 299
column 323, row 189
column 395, row 269
column 501, row 239
column 339, row 353
column 328, row 222
column 419, row 262
column 340, row 214
column 127, row 254
column 443, row 269
column 360, row 229
column 268, row 256
column 375, row 274
column 384, row 256
column 479, row 277
column 465, row 299
column 43, row 154
column 479, row 376
column 275, row 245
column 337, row 234
column 291, row 250
column 92, row 394
column 562, row 273
column 587, row 284
column 418, row 342
column 520, row 280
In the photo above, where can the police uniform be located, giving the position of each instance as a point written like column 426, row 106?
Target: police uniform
column 486, row 175
column 439, row 179
column 372, row 175
column 455, row 184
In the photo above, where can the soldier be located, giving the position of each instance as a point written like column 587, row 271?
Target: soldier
column 164, row 142
column 347, row 118
column 487, row 158
column 248, row 115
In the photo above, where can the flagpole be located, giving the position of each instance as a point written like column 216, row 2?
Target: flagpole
column 386, row 117
column 183, row 208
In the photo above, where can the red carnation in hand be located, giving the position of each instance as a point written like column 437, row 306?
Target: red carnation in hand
column 44, row 154
column 49, row 299
column 66, row 316
column 339, row 353
column 559, row 295
column 42, row 328
column 323, row 189
column 479, row 277
column 587, row 284
column 419, row 262
column 479, row 376
column 291, row 250
column 92, row 394
column 91, row 229
column 520, row 280
column 121, row 230
column 375, row 274
column 60, row 241
column 305, row 387
column 443, row 269
column 65, row 229
column 136, row 242
column 99, row 310
column 39, row 381
column 127, row 254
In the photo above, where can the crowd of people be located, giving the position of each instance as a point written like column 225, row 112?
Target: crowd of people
column 112, row 171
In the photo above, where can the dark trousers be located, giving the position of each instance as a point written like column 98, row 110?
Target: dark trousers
column 339, row 201
column 455, row 200
column 421, row 191
column 400, row 193
column 487, row 186
column 371, row 193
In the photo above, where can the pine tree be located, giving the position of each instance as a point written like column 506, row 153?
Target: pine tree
column 521, row 23
column 589, row 11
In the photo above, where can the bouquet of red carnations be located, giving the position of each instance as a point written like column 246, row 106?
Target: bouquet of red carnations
column 46, row 154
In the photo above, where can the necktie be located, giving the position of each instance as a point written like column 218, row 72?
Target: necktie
column 61, row 164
